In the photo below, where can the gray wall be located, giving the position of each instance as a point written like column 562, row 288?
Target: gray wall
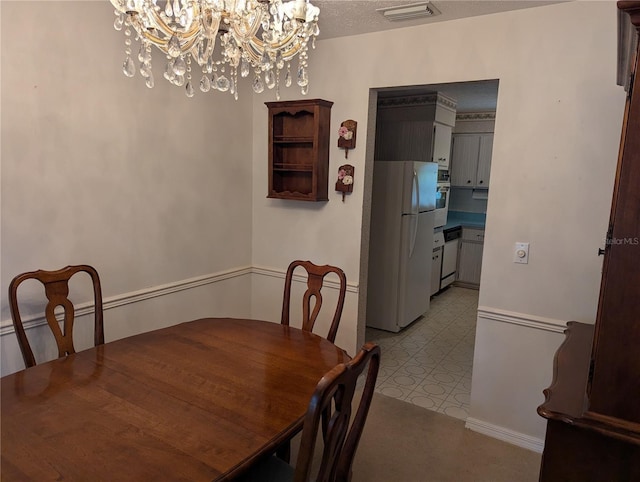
column 148, row 186
column 557, row 131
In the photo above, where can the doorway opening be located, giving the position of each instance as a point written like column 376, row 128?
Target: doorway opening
column 430, row 362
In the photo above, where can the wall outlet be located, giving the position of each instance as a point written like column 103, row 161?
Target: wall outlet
column 521, row 253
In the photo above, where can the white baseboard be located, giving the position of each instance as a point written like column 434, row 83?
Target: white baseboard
column 506, row 435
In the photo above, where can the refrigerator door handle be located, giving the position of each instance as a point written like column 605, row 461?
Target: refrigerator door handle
column 416, row 185
column 415, row 209
column 414, row 234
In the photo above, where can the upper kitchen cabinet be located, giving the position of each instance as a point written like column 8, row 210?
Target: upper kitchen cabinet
column 299, row 149
column 416, row 128
column 441, row 144
column 471, row 160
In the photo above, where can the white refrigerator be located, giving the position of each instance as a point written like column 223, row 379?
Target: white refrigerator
column 401, row 242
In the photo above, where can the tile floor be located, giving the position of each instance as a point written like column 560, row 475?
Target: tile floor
column 429, row 363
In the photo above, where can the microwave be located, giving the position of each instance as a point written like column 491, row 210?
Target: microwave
column 443, row 191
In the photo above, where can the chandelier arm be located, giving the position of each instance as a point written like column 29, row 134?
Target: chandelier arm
column 191, row 36
column 241, row 35
column 282, row 44
column 255, row 47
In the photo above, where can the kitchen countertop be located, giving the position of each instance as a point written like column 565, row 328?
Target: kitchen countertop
column 464, row 219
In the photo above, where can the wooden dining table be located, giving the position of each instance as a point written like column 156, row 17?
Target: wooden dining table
column 201, row 400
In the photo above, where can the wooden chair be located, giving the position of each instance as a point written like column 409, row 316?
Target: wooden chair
column 336, row 390
column 315, row 278
column 56, row 285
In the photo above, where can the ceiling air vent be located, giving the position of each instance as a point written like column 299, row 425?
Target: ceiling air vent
column 407, row 12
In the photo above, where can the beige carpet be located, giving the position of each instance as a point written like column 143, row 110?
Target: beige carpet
column 402, row 442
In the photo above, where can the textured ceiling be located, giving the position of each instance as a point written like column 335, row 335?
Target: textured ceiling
column 339, row 18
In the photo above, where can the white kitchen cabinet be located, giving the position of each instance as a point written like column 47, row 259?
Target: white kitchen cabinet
column 441, row 145
column 484, row 160
column 471, row 160
column 470, row 257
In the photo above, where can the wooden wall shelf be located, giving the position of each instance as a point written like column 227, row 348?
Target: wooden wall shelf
column 299, row 149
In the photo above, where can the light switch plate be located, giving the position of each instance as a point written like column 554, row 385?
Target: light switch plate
column 521, row 253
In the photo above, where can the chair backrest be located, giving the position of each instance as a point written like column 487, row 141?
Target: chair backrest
column 56, row 285
column 334, row 394
column 315, row 278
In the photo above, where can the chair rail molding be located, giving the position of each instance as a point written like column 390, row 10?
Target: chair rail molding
column 82, row 309
column 522, row 319
column 6, row 326
column 278, row 273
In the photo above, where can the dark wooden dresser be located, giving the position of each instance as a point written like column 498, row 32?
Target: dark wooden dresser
column 593, row 403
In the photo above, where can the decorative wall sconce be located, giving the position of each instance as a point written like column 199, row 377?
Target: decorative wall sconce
column 344, row 184
column 347, row 136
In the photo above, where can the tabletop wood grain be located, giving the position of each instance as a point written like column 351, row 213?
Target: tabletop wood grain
column 196, row 401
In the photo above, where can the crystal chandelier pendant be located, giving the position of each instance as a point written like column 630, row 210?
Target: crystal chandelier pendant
column 129, row 67
column 168, row 72
column 244, row 68
column 303, row 79
column 287, row 78
column 279, row 60
column 258, row 86
column 214, row 81
column 258, row 35
column 141, row 52
column 223, row 83
column 179, row 66
column 119, row 21
column 270, row 79
column 145, row 70
column 205, row 83
column 189, row 89
column 265, row 63
column 173, row 47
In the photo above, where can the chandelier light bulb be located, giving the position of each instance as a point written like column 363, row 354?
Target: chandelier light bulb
column 259, row 35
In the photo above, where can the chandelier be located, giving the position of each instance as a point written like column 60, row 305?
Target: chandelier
column 254, row 36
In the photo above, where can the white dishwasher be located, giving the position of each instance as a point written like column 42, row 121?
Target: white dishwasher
column 436, row 261
column 450, row 255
